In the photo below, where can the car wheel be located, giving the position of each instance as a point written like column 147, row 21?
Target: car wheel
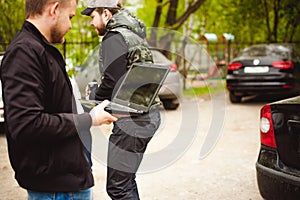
column 170, row 104
column 2, row 128
column 234, row 99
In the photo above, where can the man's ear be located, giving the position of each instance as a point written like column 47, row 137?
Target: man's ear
column 54, row 8
column 107, row 14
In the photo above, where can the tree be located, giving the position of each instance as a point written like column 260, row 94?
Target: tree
column 172, row 22
column 11, row 18
column 252, row 21
column 175, row 20
column 263, row 20
column 292, row 20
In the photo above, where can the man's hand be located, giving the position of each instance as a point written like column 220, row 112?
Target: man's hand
column 100, row 116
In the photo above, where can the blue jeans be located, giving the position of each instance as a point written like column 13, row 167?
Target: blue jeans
column 81, row 195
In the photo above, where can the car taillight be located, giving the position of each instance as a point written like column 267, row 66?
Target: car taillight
column 267, row 136
column 283, row 65
column 287, row 86
column 173, row 67
column 234, row 66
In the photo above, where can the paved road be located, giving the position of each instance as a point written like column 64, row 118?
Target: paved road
column 206, row 149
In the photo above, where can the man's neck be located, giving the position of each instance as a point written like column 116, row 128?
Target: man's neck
column 42, row 26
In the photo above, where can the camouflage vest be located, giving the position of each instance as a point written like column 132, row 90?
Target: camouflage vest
column 138, row 50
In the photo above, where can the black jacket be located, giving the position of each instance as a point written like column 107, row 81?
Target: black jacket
column 124, row 44
column 114, row 50
column 44, row 146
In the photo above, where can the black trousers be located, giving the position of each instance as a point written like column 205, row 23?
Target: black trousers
column 127, row 144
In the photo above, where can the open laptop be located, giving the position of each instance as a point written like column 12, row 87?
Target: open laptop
column 138, row 90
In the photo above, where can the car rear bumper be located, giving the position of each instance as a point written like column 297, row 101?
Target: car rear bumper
column 261, row 87
column 172, row 87
column 1, row 116
column 257, row 88
column 274, row 183
column 257, row 84
column 170, row 91
column 1, row 112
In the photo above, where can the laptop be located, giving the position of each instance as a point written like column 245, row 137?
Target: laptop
column 138, row 90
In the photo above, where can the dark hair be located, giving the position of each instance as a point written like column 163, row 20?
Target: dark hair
column 112, row 10
column 36, row 7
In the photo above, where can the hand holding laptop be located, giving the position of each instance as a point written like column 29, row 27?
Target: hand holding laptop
column 100, row 116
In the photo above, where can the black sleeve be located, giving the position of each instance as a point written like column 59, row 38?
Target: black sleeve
column 114, row 55
column 27, row 104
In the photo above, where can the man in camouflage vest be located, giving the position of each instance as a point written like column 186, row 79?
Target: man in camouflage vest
column 123, row 44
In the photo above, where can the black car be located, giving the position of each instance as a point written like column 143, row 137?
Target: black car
column 264, row 69
column 1, row 103
column 278, row 164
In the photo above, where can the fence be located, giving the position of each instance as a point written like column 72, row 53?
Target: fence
column 220, row 53
column 74, row 52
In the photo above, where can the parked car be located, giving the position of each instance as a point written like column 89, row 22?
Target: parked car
column 1, row 104
column 278, row 164
column 264, row 69
column 169, row 94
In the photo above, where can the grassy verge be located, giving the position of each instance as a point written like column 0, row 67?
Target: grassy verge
column 209, row 88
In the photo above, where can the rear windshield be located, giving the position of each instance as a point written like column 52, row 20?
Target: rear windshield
column 272, row 51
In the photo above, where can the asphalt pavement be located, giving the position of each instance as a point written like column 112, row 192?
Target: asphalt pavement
column 206, row 149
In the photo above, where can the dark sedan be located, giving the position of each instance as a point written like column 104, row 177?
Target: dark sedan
column 1, row 103
column 278, row 165
column 264, row 69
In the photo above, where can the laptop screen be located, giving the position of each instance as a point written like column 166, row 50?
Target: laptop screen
column 141, row 85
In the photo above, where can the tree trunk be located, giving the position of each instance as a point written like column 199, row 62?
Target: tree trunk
column 153, row 37
column 171, row 16
column 276, row 19
column 267, row 20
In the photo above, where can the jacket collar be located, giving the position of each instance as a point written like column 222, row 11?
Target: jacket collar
column 28, row 26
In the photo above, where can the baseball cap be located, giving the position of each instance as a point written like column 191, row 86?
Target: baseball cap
column 92, row 4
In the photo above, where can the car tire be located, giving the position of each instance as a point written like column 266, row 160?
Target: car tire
column 234, row 99
column 170, row 104
column 1, row 128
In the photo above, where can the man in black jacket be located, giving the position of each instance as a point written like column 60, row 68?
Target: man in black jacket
column 48, row 141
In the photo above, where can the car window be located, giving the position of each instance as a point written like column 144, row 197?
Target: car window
column 92, row 60
column 158, row 57
column 273, row 51
column 280, row 51
column 296, row 55
column 254, row 51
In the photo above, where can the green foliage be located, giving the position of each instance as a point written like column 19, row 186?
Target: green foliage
column 11, row 19
column 246, row 20
column 150, row 7
column 207, row 89
column 80, row 40
column 255, row 21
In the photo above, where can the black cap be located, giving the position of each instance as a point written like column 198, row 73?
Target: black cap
column 92, row 4
column 88, row 11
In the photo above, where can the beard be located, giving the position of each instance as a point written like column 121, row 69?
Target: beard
column 56, row 35
column 101, row 30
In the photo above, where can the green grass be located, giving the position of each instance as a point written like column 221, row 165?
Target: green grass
column 208, row 89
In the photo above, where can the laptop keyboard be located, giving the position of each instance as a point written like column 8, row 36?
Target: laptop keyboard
column 117, row 107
